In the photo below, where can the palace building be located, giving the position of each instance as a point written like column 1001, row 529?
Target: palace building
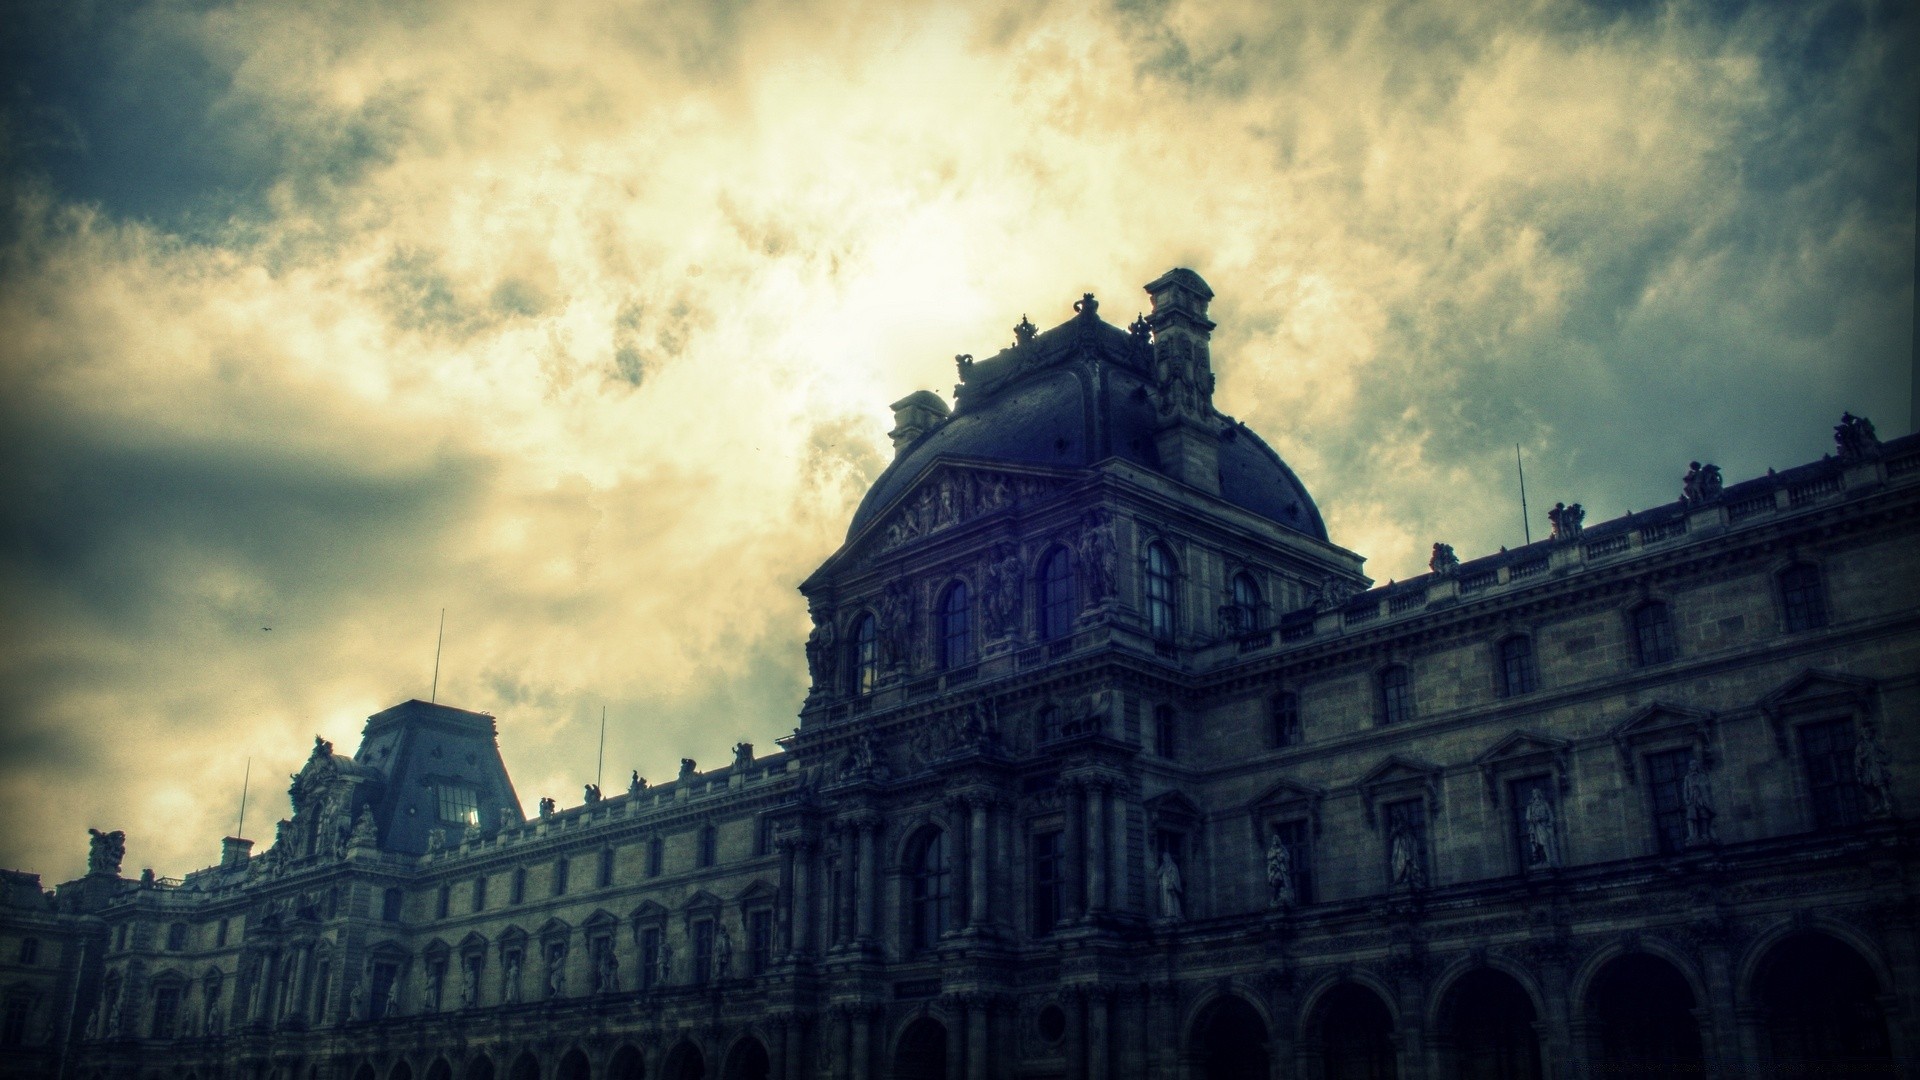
column 1115, row 765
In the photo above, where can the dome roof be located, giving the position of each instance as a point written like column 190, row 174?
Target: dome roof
column 1077, row 395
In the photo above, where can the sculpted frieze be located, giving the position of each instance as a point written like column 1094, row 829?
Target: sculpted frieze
column 954, row 496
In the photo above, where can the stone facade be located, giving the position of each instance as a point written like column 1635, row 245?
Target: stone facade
column 1114, row 766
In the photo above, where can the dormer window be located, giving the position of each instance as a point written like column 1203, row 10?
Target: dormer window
column 458, row 804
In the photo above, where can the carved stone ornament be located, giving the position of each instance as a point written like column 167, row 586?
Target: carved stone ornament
column 1099, row 556
column 1567, row 521
column 951, row 497
column 1702, row 484
column 106, row 851
column 1854, row 438
column 1443, row 561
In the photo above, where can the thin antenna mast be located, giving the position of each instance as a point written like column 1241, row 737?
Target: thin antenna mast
column 1525, row 525
column 434, row 695
column 601, row 765
column 240, row 829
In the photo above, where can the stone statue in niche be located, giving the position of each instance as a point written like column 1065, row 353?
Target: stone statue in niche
column 606, row 975
column 666, row 962
column 1404, row 856
column 1172, row 891
column 1280, row 891
column 104, row 852
column 896, row 626
column 1567, row 521
column 557, row 971
column 1004, row 577
column 1870, row 761
column 722, row 951
column 820, row 653
column 1099, row 557
column 365, row 833
column 1541, row 843
column 1702, row 484
column 1443, row 561
column 357, row 999
column 1855, row 438
column 510, row 978
column 435, row 982
column 470, row 982
column 1696, row 797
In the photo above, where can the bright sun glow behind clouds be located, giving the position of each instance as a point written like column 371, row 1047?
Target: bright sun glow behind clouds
column 582, row 323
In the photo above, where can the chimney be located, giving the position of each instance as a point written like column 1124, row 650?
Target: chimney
column 233, row 852
column 914, row 416
column 1187, row 437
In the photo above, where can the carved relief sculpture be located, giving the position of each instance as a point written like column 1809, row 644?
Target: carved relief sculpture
column 1870, row 761
column 896, row 626
column 1172, row 891
column 1541, row 842
column 1004, row 577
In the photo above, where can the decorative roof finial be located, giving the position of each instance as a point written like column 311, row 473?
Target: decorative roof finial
column 1086, row 306
column 1023, row 332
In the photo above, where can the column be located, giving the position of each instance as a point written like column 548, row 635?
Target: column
column 1076, row 851
column 1096, row 847
column 978, row 1037
column 1099, row 1046
column 977, row 812
column 957, row 1010
column 862, row 1042
column 867, row 878
column 1075, row 998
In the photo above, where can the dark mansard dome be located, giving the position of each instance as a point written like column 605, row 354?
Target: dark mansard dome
column 1074, row 396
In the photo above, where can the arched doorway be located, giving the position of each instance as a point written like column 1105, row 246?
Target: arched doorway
column 1229, row 1042
column 1486, row 1029
column 1351, row 1032
column 1641, row 1010
column 1821, row 1010
column 747, row 1061
column 480, row 1068
column 922, row 1051
column 684, row 1062
column 525, row 1067
column 573, row 1066
column 364, row 1072
column 400, row 1071
column 439, row 1070
column 626, row 1064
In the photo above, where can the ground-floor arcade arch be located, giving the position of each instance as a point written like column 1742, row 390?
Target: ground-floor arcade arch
column 1640, row 1019
column 1349, row 1036
column 1820, row 1010
column 921, row 1053
column 747, row 1060
column 1487, row 1029
column 1229, row 1041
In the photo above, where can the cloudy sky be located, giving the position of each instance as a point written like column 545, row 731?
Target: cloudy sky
column 580, row 321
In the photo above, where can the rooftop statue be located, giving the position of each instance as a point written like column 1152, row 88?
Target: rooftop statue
column 107, row 849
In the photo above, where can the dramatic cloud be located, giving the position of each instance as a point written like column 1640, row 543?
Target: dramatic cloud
column 581, row 323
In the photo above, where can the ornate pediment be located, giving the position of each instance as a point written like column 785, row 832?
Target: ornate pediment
column 949, row 495
column 1399, row 777
column 555, row 928
column 648, row 911
column 512, row 936
column 1659, row 722
column 1814, row 690
column 599, row 920
column 1173, row 808
column 1287, row 799
column 436, row 948
column 473, row 942
column 759, row 892
column 1524, row 750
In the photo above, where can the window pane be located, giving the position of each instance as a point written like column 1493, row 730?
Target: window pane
column 1056, row 596
column 1159, row 593
column 956, row 627
column 1048, row 877
column 1667, row 775
column 1805, row 603
column 1396, row 695
column 1286, row 720
column 1516, row 666
column 457, row 805
column 1653, row 634
column 1826, row 752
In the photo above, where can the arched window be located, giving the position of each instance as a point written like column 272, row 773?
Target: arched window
column 1057, row 600
column 1246, row 604
column 1652, row 633
column 863, row 668
column 1517, row 673
column 956, row 626
column 930, row 889
column 1396, row 695
column 1805, row 601
column 1159, row 593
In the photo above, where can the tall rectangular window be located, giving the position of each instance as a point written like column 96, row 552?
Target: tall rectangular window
column 1298, row 841
column 560, row 876
column 1396, row 695
column 1653, row 633
column 702, row 952
column 176, row 937
column 29, row 951
column 656, row 857
column 443, row 904
column 220, row 934
column 1048, row 879
column 13, row 1030
column 479, row 894
column 381, row 995
column 763, row 835
column 1285, row 720
column 390, row 901
column 1517, row 674
column 606, row 867
column 759, row 941
column 649, row 957
column 709, row 845
column 166, row 1011
column 517, row 892
column 1826, row 752
column 322, row 979
column 1165, row 738
column 1666, row 779
column 1805, row 601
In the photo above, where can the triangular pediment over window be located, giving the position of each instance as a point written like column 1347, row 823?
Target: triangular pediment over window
column 1816, row 691
column 1524, row 750
column 1398, row 777
column 1287, row 799
column 1660, row 724
column 1172, row 807
column 648, row 911
column 703, row 900
column 473, row 942
column 948, row 493
column 554, row 928
column 600, row 919
column 760, row 892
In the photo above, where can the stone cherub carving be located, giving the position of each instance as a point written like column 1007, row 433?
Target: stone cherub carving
column 1566, row 520
column 1172, row 890
column 1870, row 761
column 106, row 851
column 1696, row 797
column 1442, row 562
column 1541, row 842
column 1701, row 484
column 1280, row 889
